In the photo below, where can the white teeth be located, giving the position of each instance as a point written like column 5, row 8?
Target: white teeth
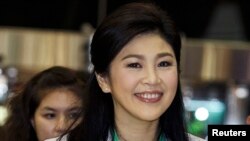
column 149, row 96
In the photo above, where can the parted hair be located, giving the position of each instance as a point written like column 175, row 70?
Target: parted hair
column 110, row 37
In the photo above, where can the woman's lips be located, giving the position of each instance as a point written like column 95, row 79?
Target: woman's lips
column 149, row 97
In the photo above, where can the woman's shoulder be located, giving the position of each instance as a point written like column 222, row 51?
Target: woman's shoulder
column 194, row 138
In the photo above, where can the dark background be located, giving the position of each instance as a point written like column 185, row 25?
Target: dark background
column 192, row 16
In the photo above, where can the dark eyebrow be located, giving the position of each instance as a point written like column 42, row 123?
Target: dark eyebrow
column 165, row 54
column 71, row 109
column 133, row 56
column 49, row 109
column 78, row 108
column 141, row 57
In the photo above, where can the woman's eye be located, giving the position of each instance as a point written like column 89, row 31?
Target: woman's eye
column 74, row 115
column 134, row 65
column 164, row 64
column 49, row 116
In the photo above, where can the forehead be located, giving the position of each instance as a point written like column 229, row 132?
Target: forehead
column 60, row 96
column 147, row 43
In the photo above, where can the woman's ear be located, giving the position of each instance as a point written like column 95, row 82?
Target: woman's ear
column 103, row 82
column 32, row 122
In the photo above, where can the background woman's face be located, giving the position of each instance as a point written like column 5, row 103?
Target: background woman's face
column 143, row 78
column 56, row 112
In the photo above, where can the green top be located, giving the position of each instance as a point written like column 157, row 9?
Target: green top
column 162, row 137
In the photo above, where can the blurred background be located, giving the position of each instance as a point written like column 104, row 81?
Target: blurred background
column 215, row 64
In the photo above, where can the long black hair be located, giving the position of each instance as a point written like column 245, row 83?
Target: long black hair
column 110, row 37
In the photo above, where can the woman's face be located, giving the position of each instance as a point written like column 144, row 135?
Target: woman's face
column 56, row 112
column 143, row 78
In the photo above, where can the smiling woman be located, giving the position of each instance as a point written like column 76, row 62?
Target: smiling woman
column 50, row 104
column 143, row 66
column 135, row 92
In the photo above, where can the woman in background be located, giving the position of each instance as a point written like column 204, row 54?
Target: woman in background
column 135, row 92
column 49, row 105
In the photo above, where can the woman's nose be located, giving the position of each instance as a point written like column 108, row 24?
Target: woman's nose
column 61, row 125
column 151, row 76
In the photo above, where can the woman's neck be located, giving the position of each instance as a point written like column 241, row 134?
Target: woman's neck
column 136, row 130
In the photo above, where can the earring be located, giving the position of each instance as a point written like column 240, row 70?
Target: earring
column 106, row 90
